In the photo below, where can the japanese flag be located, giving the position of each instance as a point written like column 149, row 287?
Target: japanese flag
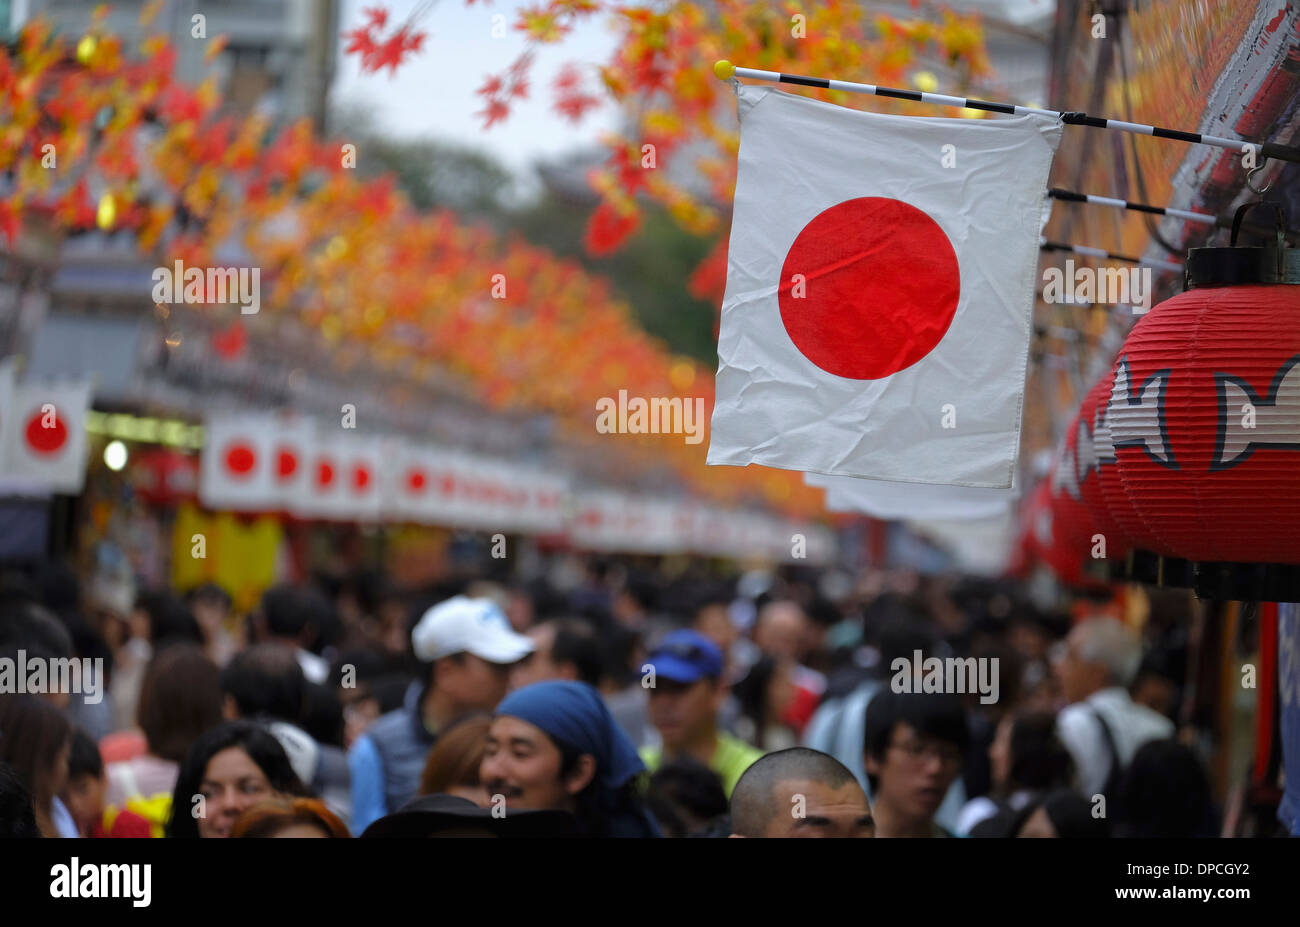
column 324, row 489
column 409, row 490
column 238, row 466
column 880, row 283
column 45, row 435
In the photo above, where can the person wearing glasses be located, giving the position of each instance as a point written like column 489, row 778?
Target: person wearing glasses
column 913, row 748
column 686, row 694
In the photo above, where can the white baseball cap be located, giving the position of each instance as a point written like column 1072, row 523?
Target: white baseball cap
column 465, row 625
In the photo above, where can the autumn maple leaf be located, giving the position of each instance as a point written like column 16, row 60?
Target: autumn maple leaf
column 361, row 43
column 389, row 54
column 491, row 86
column 574, row 106
column 569, row 78
column 608, row 228
column 376, row 17
column 496, row 111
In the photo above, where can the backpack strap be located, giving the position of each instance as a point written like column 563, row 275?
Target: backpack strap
column 1108, row 736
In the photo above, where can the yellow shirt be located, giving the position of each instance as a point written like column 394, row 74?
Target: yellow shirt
column 730, row 760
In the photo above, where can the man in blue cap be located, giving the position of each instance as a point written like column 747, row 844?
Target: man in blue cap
column 686, row 694
column 555, row 746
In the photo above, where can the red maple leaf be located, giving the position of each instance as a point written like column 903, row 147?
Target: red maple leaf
column 569, row 78
column 496, row 111
column 519, row 89
column 391, row 52
column 491, row 87
column 608, row 228
column 574, row 106
column 376, row 16
column 361, row 43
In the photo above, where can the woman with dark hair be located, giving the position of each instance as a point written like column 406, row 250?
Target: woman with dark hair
column 452, row 765
column 229, row 769
column 1026, row 760
column 294, row 817
column 35, row 739
column 555, row 745
column 180, row 698
column 764, row 696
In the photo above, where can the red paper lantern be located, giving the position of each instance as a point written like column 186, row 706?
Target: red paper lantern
column 1205, row 412
column 1096, row 463
column 1076, row 500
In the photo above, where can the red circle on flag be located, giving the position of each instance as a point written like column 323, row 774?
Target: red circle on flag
column 324, row 473
column 360, row 477
column 46, row 440
column 286, row 464
column 415, row 480
column 240, row 458
column 878, row 290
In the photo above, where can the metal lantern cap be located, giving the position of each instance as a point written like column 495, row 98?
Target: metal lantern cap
column 1233, row 266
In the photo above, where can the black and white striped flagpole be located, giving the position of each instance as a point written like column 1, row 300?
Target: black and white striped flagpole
column 725, row 70
column 1057, row 193
column 1205, row 218
column 1045, row 245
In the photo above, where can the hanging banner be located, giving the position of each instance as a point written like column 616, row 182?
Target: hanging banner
column 45, row 438
column 876, row 320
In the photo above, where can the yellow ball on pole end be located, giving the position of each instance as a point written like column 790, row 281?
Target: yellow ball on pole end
column 724, row 69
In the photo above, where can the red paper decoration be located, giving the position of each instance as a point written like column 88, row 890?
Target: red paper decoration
column 1205, row 420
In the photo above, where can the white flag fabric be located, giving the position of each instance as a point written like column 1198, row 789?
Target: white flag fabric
column 891, row 500
column 45, row 436
column 880, row 286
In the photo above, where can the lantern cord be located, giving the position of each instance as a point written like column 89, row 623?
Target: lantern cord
column 1045, row 245
column 726, row 70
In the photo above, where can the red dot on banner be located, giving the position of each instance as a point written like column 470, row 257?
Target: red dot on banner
column 240, row 458
column 324, row 473
column 360, row 477
column 448, row 485
column 46, row 440
column 878, row 288
column 286, row 464
column 415, row 480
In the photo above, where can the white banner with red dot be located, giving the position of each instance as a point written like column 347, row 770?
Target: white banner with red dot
column 43, row 433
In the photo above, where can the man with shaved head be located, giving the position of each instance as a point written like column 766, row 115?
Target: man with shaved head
column 800, row 793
